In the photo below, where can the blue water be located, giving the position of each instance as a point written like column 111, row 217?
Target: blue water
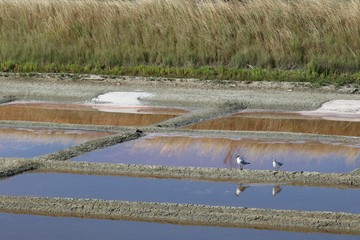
column 181, row 191
column 28, row 143
column 19, row 227
column 222, row 153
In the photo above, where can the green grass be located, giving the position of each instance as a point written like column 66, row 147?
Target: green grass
column 205, row 73
column 285, row 40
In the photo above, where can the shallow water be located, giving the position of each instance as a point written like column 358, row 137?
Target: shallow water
column 283, row 122
column 182, row 191
column 32, row 142
column 221, row 153
column 96, row 114
column 57, row 228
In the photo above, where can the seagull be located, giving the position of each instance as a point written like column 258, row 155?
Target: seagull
column 241, row 162
column 241, row 188
column 276, row 189
column 277, row 164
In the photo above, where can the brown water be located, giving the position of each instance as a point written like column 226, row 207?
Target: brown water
column 221, row 153
column 19, row 227
column 31, row 142
column 86, row 114
column 281, row 122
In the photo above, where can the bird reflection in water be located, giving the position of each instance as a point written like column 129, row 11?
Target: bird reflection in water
column 241, row 188
column 276, row 190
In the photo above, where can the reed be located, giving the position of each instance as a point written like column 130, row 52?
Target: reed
column 318, row 36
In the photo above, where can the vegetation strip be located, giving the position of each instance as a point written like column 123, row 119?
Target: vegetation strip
column 339, row 180
column 276, row 39
column 203, row 73
column 185, row 214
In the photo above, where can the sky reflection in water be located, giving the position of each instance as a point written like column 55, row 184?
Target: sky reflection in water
column 222, row 152
column 182, row 191
column 28, row 143
column 58, row 228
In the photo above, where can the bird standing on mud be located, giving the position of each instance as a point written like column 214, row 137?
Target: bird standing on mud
column 241, row 162
column 277, row 164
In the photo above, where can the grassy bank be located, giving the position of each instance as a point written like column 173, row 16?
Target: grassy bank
column 205, row 73
column 294, row 39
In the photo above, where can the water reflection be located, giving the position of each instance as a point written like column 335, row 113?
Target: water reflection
column 281, row 122
column 180, row 191
column 59, row 228
column 241, row 188
column 222, row 152
column 86, row 114
column 276, row 190
column 28, row 142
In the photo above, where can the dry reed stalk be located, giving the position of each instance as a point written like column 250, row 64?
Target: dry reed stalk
column 263, row 33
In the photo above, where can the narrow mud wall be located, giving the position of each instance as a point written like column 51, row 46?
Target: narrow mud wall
column 12, row 166
column 90, row 146
column 185, row 214
column 339, row 180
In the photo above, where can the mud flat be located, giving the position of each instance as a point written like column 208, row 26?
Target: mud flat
column 172, row 92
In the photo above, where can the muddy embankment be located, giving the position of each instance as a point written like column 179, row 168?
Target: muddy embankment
column 208, row 100
column 186, row 214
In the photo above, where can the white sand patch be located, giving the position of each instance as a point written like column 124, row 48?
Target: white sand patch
column 338, row 110
column 118, row 108
column 340, row 106
column 124, row 102
column 122, row 98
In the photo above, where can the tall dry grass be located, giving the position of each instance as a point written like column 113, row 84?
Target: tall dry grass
column 316, row 34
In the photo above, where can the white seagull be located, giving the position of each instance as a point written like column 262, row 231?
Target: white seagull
column 241, row 162
column 277, row 164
